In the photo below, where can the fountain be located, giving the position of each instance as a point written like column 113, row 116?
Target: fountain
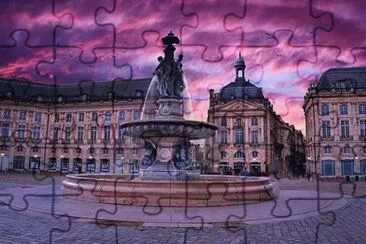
column 167, row 175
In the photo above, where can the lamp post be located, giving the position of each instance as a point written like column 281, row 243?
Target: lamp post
column 88, row 165
column 1, row 167
column 36, row 161
column 309, row 167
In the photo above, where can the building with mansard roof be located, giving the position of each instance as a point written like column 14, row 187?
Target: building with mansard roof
column 335, row 115
column 70, row 128
column 251, row 136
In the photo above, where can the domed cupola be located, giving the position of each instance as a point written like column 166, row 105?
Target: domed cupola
column 240, row 68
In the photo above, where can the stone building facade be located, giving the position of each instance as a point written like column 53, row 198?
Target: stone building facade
column 70, row 128
column 335, row 115
column 251, row 136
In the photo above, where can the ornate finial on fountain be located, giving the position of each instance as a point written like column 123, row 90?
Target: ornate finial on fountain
column 169, row 71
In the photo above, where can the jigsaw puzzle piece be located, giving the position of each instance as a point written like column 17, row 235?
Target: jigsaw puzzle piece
column 201, row 35
column 84, row 27
column 145, row 16
column 292, row 16
column 20, row 58
column 38, row 18
column 346, row 20
column 73, row 71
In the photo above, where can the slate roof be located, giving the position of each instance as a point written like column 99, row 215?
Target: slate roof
column 343, row 78
column 241, row 88
column 23, row 90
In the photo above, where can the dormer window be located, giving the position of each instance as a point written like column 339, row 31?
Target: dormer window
column 84, row 97
column 138, row 93
column 60, row 99
column 9, row 94
column 110, row 95
column 39, row 98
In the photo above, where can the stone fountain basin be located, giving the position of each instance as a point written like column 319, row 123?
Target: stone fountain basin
column 189, row 129
column 208, row 190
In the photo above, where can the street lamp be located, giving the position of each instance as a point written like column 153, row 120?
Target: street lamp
column 2, row 155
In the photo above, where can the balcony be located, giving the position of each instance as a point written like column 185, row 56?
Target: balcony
column 329, row 138
column 91, row 141
column 65, row 141
column 79, row 141
column 223, row 144
column 5, row 138
column 53, row 141
column 254, row 144
column 239, row 144
column 346, row 138
column 36, row 140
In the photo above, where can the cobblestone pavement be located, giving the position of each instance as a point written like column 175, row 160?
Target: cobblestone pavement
column 31, row 227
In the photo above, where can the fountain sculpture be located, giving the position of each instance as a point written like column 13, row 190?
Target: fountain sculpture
column 167, row 175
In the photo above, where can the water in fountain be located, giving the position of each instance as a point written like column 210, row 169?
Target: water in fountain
column 151, row 101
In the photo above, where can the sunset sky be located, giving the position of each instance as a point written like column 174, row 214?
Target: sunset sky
column 286, row 44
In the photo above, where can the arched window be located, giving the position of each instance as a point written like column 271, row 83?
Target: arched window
column 223, row 121
column 239, row 154
column 254, row 121
column 347, row 149
column 223, row 154
column 254, row 154
column 239, row 136
column 325, row 109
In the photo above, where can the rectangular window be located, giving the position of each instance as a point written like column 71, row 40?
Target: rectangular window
column 108, row 116
column 363, row 127
column 68, row 117
column 38, row 117
column 36, row 132
column 223, row 137
column 120, row 134
column 325, row 109
column 78, row 162
column 255, row 137
column 343, row 109
column 18, row 162
column 21, row 131
column 326, row 129
column 362, row 108
column 80, row 133
column 239, row 136
column 94, row 117
column 5, row 130
column 67, row 133
column 81, row 117
column 254, row 121
column 107, row 132
column 238, row 121
column 52, row 163
column 363, row 167
column 327, row 149
column 347, row 167
column 122, row 116
column 328, row 168
column 136, row 115
column 22, row 115
column 57, row 117
column 55, row 133
column 134, row 166
column 93, row 134
column 7, row 114
column 344, row 128
column 104, row 165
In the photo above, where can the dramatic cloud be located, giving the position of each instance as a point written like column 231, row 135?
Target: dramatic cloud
column 286, row 44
